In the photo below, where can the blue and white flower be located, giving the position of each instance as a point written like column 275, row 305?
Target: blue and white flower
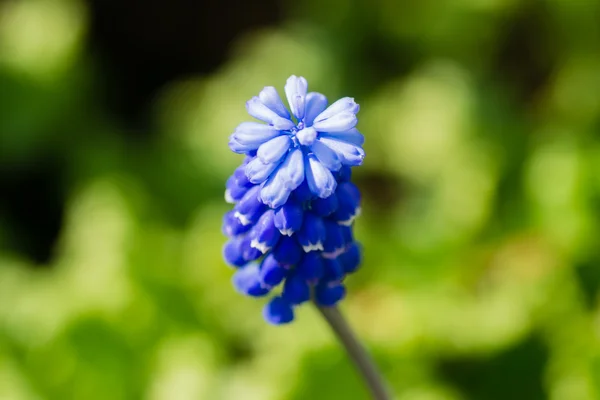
column 290, row 230
column 308, row 144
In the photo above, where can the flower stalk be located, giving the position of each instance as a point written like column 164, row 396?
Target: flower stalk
column 357, row 353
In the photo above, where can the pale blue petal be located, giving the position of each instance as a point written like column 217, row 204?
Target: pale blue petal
column 352, row 136
column 348, row 153
column 271, row 99
column 258, row 172
column 345, row 104
column 320, row 180
column 273, row 150
column 307, row 136
column 340, row 122
column 246, row 280
column 326, row 156
column 237, row 147
column 259, row 111
column 253, row 134
column 273, row 192
column 295, row 90
column 292, row 170
column 315, row 105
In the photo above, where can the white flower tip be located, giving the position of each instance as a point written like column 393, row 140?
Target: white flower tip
column 242, row 218
column 262, row 247
column 287, row 232
column 311, row 247
column 350, row 220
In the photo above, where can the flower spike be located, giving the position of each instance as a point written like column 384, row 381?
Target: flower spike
column 290, row 230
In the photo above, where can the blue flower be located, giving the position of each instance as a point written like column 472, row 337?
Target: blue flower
column 290, row 230
column 307, row 145
column 300, row 250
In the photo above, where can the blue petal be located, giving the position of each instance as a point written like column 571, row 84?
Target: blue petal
column 274, row 150
column 271, row 99
column 302, row 193
column 232, row 226
column 288, row 218
column 312, row 234
column 273, row 191
column 348, row 234
column 292, row 169
column 246, row 281
column 334, row 271
column 233, row 253
column 250, row 253
column 353, row 136
column 234, row 192
column 264, row 234
column 278, row 311
column 231, row 181
column 348, row 153
column 349, row 207
column 240, row 177
column 272, row 273
column 239, row 148
column 343, row 105
column 296, row 290
column 334, row 240
column 326, row 156
column 351, row 258
column 315, row 105
column 295, row 90
column 290, row 174
column 325, row 207
column 288, row 251
column 320, row 180
column 329, row 295
column 250, row 135
column 249, row 208
column 341, row 122
column 307, row 136
column 258, row 172
column 311, row 267
column 259, row 111
column 344, row 174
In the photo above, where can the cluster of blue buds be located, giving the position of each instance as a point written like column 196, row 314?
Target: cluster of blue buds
column 291, row 226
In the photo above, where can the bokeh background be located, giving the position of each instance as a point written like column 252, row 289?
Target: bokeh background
column 481, row 217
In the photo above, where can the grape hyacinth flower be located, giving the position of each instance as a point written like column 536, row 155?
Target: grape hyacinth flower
column 294, row 203
column 291, row 228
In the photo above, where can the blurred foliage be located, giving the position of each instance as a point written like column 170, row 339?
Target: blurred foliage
column 480, row 225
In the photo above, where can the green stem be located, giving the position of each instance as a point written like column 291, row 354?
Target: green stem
column 356, row 351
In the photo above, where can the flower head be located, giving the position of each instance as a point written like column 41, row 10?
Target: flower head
column 307, row 145
column 294, row 204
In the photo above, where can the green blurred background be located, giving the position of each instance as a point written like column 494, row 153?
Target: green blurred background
column 481, row 215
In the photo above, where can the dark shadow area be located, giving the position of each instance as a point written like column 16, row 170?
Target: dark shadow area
column 588, row 277
column 525, row 58
column 142, row 45
column 515, row 374
column 32, row 206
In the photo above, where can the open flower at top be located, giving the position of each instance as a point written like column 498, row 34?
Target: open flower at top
column 308, row 144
